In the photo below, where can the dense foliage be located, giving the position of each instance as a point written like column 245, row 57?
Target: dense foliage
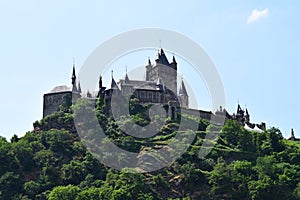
column 52, row 163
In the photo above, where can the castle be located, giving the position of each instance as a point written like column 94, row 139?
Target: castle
column 158, row 87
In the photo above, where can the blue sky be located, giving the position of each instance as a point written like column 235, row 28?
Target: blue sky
column 257, row 57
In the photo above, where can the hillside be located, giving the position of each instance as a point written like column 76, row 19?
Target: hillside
column 52, row 163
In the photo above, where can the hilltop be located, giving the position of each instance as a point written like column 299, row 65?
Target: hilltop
column 52, row 163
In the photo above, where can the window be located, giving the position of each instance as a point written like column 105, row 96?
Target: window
column 157, row 96
column 142, row 94
column 150, row 95
column 127, row 90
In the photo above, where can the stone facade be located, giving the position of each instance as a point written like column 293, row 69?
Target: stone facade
column 61, row 96
column 52, row 101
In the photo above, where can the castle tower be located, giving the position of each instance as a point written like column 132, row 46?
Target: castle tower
column 61, row 96
column 183, row 96
column 164, row 70
column 101, row 91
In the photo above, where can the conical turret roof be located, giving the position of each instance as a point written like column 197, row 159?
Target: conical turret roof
column 182, row 90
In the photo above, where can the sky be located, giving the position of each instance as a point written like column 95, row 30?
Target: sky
column 254, row 45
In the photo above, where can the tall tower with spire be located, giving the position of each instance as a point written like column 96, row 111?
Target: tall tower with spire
column 164, row 70
column 61, row 96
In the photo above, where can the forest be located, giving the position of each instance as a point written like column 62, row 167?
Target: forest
column 51, row 162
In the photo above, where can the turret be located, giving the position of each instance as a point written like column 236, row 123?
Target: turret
column 88, row 94
column 173, row 64
column 113, row 84
column 101, row 88
column 247, row 117
column 163, row 58
column 183, row 96
column 79, row 87
column 148, row 69
column 239, row 111
column 126, row 81
column 100, row 82
column 126, row 86
column 74, row 87
column 292, row 135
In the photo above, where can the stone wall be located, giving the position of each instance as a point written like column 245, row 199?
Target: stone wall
column 53, row 101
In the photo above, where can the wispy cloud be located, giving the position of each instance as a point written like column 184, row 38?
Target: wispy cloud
column 257, row 15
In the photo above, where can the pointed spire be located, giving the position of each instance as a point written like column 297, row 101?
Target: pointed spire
column 161, row 51
column 73, row 75
column 79, row 87
column 113, row 84
column 88, row 94
column 182, row 89
column 292, row 133
column 163, row 58
column 100, row 82
column 173, row 64
column 148, row 68
column 74, row 87
column 174, row 60
column 247, row 112
column 127, row 79
column 239, row 110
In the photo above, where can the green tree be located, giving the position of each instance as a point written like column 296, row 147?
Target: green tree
column 237, row 136
column 24, row 154
column 126, row 185
column 73, row 173
column 10, row 185
column 276, row 139
column 64, row 192
column 91, row 194
column 31, row 188
column 45, row 157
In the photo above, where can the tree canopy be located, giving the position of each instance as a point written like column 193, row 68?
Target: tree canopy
column 52, row 163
